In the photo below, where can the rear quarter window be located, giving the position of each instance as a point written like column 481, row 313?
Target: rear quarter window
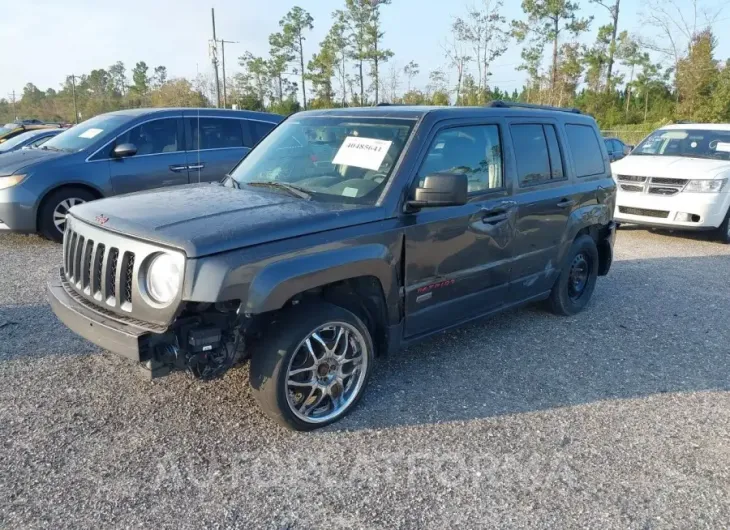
column 587, row 154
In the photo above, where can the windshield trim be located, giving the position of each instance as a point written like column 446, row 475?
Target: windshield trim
column 412, row 122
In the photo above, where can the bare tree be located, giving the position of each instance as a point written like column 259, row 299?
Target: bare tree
column 411, row 70
column 484, row 29
column 454, row 49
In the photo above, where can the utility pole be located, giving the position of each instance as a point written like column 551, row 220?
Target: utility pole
column 73, row 91
column 215, row 61
column 12, row 98
column 223, row 59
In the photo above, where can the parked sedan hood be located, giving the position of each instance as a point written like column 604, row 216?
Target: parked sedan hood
column 209, row 218
column 669, row 167
column 15, row 161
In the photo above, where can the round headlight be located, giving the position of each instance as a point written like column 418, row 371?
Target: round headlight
column 163, row 278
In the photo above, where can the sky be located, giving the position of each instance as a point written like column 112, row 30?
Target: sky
column 56, row 38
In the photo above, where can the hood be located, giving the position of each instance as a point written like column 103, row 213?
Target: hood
column 15, row 161
column 669, row 167
column 206, row 219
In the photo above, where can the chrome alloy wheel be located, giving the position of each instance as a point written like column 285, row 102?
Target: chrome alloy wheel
column 61, row 209
column 326, row 372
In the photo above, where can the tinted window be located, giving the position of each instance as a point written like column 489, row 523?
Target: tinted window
column 609, row 146
column 473, row 151
column 556, row 159
column 258, row 129
column 531, row 151
column 618, row 147
column 215, row 133
column 586, row 151
column 153, row 137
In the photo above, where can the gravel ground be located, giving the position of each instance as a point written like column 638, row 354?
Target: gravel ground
column 616, row 418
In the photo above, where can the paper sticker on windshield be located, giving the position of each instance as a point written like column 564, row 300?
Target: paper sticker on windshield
column 723, row 147
column 90, row 133
column 367, row 153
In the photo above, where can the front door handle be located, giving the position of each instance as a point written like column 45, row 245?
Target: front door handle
column 196, row 166
column 177, row 169
column 495, row 216
column 566, row 203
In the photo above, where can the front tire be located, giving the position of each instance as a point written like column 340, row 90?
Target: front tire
column 574, row 287
column 52, row 215
column 723, row 232
column 311, row 366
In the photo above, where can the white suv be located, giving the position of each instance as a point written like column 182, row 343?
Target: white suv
column 677, row 178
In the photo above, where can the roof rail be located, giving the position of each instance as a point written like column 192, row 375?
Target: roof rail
column 511, row 104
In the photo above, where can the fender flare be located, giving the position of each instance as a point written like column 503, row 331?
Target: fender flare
column 276, row 284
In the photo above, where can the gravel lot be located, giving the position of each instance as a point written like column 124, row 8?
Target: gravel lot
column 616, row 418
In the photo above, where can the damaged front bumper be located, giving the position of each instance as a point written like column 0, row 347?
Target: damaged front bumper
column 206, row 344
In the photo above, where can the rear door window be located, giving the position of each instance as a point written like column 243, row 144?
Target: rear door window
column 214, row 133
column 586, row 150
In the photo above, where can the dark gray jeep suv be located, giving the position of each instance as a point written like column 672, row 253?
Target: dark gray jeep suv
column 342, row 236
column 121, row 152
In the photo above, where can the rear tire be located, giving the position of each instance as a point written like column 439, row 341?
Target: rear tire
column 50, row 217
column 311, row 366
column 574, row 287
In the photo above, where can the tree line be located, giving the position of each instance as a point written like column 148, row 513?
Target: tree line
column 620, row 78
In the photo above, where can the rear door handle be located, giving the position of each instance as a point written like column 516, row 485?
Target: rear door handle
column 566, row 203
column 177, row 169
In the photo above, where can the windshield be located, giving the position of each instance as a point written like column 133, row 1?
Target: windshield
column 333, row 159
column 83, row 135
column 690, row 143
column 16, row 141
column 8, row 127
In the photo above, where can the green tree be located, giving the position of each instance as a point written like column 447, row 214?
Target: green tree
column 696, row 77
column 118, row 75
column 159, row 77
column 358, row 19
column 279, row 58
column 547, row 21
column 177, row 93
column 374, row 35
column 321, row 70
column 293, row 26
column 140, row 80
column 613, row 8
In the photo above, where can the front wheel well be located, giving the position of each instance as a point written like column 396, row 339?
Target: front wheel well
column 363, row 296
column 96, row 193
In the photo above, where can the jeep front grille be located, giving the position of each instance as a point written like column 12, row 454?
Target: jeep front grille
column 94, row 270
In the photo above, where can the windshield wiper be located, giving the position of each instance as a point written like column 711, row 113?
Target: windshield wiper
column 49, row 148
column 292, row 189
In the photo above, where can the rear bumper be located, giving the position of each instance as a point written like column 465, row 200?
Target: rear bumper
column 118, row 337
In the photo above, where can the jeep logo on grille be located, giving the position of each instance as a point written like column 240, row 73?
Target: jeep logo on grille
column 101, row 219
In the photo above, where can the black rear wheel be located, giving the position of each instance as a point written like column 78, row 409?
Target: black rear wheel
column 574, row 287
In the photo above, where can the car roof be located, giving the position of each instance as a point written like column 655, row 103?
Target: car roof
column 419, row 112
column 266, row 116
column 696, row 126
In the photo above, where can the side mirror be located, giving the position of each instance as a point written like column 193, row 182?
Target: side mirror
column 124, row 150
column 441, row 189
